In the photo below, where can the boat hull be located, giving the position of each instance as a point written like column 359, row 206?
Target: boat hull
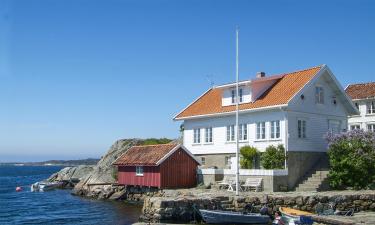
column 225, row 217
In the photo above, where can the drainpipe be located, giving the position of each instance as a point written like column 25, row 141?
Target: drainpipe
column 286, row 137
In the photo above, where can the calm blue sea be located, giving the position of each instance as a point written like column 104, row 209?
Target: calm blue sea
column 54, row 207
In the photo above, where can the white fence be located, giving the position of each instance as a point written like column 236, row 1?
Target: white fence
column 244, row 172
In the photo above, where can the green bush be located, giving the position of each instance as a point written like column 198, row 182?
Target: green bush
column 249, row 154
column 352, row 159
column 273, row 157
column 155, row 141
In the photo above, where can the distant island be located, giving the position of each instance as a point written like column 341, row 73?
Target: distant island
column 89, row 161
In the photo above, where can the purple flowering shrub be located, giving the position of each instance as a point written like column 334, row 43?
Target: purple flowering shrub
column 352, row 159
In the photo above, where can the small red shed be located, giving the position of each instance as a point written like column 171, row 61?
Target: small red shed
column 163, row 166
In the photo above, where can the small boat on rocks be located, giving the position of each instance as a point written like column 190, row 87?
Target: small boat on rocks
column 45, row 186
column 228, row 217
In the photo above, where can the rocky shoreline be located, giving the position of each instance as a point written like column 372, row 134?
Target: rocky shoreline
column 181, row 205
column 100, row 182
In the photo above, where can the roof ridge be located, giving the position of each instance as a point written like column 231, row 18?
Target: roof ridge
column 298, row 71
column 154, row 145
column 361, row 83
column 274, row 75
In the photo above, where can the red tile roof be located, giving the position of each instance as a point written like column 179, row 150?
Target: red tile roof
column 278, row 94
column 361, row 91
column 147, row 155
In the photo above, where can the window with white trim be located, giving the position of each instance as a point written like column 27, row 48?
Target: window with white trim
column 371, row 127
column 228, row 160
column 275, row 129
column 355, row 127
column 356, row 105
column 261, row 130
column 243, row 132
column 203, row 161
column 139, row 170
column 197, row 136
column 230, row 133
column 334, row 126
column 319, row 95
column 240, row 95
column 301, row 128
column 371, row 107
column 208, row 135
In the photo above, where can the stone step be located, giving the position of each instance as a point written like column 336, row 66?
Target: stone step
column 226, row 202
column 226, row 206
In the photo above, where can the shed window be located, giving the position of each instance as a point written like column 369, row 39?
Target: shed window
column 261, row 130
column 233, row 96
column 371, row 107
column 319, row 95
column 275, row 129
column 139, row 170
column 301, row 128
column 240, row 95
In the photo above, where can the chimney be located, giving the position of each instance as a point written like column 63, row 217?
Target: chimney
column 261, row 74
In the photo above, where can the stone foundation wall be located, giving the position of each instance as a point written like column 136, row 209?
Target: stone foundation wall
column 299, row 163
column 181, row 209
column 215, row 160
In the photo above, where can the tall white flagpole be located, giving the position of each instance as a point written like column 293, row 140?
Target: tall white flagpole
column 237, row 127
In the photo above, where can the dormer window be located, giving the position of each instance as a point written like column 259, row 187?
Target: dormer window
column 240, row 95
column 319, row 95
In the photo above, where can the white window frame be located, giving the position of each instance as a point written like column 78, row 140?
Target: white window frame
column 356, row 105
column 334, row 124
column 372, row 125
column 243, row 132
column 231, row 133
column 319, row 95
column 301, row 128
column 240, row 93
column 370, row 107
column 275, row 129
column 203, row 161
column 260, row 130
column 354, row 126
column 197, row 136
column 208, row 137
column 139, row 170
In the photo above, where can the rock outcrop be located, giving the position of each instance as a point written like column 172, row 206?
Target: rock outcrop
column 101, row 182
column 69, row 176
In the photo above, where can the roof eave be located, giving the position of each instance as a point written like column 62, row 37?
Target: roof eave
column 232, row 112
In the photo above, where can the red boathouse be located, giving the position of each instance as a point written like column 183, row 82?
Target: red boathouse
column 162, row 166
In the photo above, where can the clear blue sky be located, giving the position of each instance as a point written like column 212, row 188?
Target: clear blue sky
column 76, row 75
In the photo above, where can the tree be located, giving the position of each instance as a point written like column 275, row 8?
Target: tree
column 352, row 159
column 249, row 154
column 273, row 157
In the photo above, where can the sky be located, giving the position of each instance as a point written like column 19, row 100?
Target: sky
column 76, row 75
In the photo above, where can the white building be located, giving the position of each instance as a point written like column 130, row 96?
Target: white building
column 363, row 96
column 293, row 109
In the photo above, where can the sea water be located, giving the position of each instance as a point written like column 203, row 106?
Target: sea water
column 54, row 207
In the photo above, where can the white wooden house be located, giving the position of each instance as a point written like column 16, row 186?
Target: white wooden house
column 363, row 96
column 294, row 109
